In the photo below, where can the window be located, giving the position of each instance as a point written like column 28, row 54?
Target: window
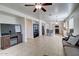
column 66, row 25
column 71, row 23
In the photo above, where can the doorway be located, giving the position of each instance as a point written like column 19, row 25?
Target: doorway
column 56, row 29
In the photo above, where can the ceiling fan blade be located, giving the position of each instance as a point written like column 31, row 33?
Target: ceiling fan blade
column 45, row 4
column 43, row 9
column 28, row 5
column 34, row 10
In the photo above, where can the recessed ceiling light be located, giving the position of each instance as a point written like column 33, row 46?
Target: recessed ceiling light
column 50, row 14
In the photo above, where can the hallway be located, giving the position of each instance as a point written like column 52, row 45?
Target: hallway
column 40, row 46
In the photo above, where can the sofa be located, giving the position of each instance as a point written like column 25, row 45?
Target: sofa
column 71, row 46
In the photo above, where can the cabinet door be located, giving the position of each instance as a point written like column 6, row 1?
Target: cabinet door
column 19, row 40
column 5, row 42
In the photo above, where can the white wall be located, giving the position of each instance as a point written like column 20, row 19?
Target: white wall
column 76, row 22
column 0, row 30
column 0, row 36
column 29, row 29
column 75, row 16
column 11, row 11
column 40, row 28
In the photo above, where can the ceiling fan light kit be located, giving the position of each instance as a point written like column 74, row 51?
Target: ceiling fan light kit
column 38, row 6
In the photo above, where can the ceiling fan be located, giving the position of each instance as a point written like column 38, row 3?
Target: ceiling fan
column 39, row 6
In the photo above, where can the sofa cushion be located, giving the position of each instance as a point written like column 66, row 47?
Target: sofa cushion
column 73, row 40
column 65, row 43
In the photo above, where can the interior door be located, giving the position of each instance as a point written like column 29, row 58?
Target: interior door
column 35, row 30
column 43, row 30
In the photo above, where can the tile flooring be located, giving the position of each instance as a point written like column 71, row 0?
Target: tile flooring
column 40, row 46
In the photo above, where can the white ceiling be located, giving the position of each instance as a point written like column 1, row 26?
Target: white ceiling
column 58, row 11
